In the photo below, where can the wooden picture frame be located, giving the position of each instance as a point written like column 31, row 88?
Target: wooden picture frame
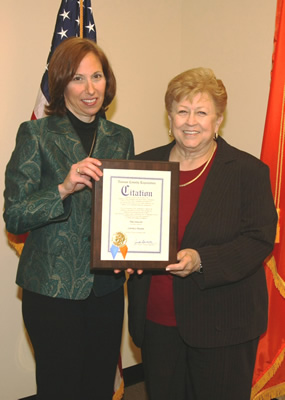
column 135, row 215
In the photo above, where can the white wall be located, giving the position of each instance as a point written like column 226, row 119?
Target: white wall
column 148, row 43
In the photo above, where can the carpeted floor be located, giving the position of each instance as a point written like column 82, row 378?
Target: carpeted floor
column 138, row 392
column 135, row 392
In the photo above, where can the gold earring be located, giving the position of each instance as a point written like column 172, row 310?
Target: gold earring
column 170, row 134
column 216, row 136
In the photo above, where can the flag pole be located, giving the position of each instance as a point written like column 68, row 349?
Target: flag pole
column 81, row 18
column 279, row 168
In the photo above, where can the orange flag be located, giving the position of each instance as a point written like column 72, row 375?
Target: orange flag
column 269, row 375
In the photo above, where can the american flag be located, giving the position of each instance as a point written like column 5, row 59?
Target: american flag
column 67, row 25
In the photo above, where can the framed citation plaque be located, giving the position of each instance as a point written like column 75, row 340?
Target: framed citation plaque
column 135, row 215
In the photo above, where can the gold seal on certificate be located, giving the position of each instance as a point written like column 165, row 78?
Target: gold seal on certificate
column 134, row 215
column 119, row 241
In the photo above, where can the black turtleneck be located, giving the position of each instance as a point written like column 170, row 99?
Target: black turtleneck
column 85, row 130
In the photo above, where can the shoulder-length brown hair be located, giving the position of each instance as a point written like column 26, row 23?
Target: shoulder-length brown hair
column 63, row 66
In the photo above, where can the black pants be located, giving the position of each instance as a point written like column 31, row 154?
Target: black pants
column 76, row 344
column 175, row 371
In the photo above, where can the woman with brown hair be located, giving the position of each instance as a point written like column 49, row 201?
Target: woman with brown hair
column 74, row 318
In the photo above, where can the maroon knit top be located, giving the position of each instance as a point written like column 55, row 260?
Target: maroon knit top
column 160, row 306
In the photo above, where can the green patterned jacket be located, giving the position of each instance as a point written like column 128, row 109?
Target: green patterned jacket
column 56, row 257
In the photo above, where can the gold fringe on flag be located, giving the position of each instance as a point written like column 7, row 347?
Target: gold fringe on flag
column 119, row 392
column 268, row 393
column 16, row 242
column 279, row 282
column 257, row 393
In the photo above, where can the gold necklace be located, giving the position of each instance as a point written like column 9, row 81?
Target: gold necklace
column 93, row 143
column 94, row 137
column 201, row 172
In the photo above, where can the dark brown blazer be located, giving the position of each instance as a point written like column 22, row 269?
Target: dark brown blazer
column 233, row 229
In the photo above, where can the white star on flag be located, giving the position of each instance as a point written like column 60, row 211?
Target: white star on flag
column 65, row 14
column 62, row 33
column 90, row 27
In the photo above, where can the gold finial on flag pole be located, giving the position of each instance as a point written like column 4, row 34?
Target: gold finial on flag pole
column 81, row 18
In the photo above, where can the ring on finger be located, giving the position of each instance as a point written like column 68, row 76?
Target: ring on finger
column 78, row 170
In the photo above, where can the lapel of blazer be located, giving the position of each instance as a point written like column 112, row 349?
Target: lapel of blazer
column 106, row 142
column 68, row 142
column 65, row 138
column 214, row 189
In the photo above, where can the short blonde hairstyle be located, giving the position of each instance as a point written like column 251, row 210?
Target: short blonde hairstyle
column 193, row 81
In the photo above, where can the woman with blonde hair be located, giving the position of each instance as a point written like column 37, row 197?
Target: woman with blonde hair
column 198, row 322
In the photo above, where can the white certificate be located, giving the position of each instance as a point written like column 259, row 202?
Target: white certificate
column 135, row 213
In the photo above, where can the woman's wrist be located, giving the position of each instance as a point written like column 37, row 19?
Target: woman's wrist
column 62, row 191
